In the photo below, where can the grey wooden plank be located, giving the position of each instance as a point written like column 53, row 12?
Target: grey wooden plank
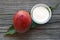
column 3, row 31
column 35, row 35
column 54, row 18
column 4, row 27
column 42, row 32
column 9, row 19
column 13, row 10
column 53, row 26
column 9, row 7
column 6, row 17
column 6, row 21
column 11, row 16
column 56, row 12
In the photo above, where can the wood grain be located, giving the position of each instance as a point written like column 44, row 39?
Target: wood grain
column 49, row 31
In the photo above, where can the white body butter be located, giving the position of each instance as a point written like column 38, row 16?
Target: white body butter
column 40, row 14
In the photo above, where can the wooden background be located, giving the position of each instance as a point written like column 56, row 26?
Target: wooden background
column 49, row 31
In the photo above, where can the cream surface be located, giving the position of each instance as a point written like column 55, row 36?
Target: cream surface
column 40, row 15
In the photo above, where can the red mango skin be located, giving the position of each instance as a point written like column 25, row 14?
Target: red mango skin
column 22, row 21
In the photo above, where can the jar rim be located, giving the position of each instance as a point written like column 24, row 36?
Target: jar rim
column 43, row 5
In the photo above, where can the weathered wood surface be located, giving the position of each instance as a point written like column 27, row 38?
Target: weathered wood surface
column 49, row 31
